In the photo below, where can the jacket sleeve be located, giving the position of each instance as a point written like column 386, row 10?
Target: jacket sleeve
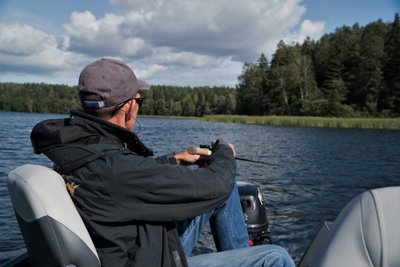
column 167, row 159
column 146, row 190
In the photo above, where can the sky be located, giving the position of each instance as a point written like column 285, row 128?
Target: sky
column 166, row 42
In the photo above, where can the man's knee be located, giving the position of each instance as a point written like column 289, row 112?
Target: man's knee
column 276, row 256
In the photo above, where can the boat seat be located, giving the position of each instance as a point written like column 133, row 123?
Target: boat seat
column 366, row 233
column 53, row 231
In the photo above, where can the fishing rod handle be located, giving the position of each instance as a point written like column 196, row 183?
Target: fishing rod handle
column 194, row 150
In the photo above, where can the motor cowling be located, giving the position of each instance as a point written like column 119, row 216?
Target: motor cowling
column 255, row 212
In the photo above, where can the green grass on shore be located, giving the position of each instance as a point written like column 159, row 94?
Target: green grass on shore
column 362, row 123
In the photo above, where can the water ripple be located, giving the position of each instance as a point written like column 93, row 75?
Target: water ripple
column 315, row 173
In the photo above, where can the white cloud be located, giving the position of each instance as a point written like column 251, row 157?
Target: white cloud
column 308, row 28
column 147, row 72
column 238, row 29
column 25, row 48
column 311, row 29
column 241, row 29
column 21, row 39
column 103, row 37
column 190, row 59
column 201, row 42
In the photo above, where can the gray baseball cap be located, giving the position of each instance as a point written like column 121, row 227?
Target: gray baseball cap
column 114, row 81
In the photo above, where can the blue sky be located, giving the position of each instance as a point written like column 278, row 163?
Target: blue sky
column 172, row 42
column 336, row 13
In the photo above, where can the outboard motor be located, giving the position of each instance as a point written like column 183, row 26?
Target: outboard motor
column 255, row 212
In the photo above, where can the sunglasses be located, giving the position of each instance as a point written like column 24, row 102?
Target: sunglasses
column 139, row 100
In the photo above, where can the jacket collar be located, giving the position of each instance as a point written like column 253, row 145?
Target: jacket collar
column 110, row 130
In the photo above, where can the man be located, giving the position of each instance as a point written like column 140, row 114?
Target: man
column 132, row 204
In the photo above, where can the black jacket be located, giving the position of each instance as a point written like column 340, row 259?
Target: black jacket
column 128, row 200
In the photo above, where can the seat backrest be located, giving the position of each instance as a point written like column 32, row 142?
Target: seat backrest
column 366, row 232
column 53, row 231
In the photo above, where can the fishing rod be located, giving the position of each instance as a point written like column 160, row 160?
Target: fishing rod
column 204, row 150
column 256, row 161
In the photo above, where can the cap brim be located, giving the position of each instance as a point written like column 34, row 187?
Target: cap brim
column 143, row 85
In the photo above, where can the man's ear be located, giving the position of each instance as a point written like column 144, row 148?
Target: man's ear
column 128, row 110
column 127, row 116
column 127, row 106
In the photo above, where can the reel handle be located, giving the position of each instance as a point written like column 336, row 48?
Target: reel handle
column 194, row 150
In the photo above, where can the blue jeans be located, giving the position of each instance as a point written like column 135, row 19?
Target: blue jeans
column 227, row 225
column 231, row 237
column 257, row 256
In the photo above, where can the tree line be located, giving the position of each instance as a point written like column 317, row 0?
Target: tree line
column 160, row 100
column 354, row 71
column 37, row 97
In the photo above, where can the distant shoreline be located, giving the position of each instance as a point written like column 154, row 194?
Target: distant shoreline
column 321, row 122
column 298, row 121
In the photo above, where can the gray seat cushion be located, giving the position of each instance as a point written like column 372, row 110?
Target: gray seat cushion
column 53, row 231
column 366, row 232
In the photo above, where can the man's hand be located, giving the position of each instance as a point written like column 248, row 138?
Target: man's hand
column 185, row 158
column 194, row 154
column 233, row 149
column 226, row 143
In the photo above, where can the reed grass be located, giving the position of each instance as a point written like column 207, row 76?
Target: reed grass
column 360, row 123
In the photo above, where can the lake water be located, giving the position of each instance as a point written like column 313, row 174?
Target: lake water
column 315, row 172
